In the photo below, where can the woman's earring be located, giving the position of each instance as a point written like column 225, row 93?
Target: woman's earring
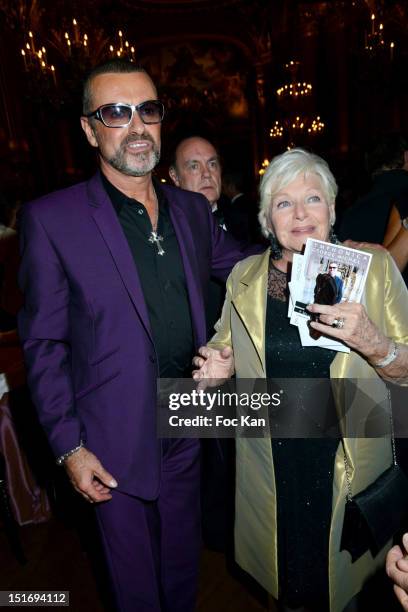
column 332, row 236
column 276, row 251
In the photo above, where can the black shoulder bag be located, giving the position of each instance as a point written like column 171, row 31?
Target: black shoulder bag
column 373, row 516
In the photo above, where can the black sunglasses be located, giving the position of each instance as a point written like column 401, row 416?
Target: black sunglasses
column 121, row 115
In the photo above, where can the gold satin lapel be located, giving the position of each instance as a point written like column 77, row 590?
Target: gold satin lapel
column 383, row 276
column 250, row 303
column 386, row 299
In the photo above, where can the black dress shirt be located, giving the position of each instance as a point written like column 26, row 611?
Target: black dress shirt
column 162, row 279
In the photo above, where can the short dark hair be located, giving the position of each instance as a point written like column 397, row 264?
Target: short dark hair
column 387, row 153
column 117, row 66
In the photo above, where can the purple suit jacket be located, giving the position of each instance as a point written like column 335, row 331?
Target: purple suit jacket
column 92, row 366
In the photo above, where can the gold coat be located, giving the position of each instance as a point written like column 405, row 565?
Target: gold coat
column 242, row 326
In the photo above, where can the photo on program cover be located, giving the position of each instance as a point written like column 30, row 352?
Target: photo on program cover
column 328, row 274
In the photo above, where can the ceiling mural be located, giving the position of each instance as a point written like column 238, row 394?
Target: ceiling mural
column 202, row 76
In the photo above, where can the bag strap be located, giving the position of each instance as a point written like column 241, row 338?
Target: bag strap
column 393, row 447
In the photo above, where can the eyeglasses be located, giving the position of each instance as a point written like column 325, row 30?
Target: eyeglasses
column 121, row 115
column 332, row 267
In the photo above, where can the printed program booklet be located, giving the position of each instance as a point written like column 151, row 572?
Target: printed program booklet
column 325, row 271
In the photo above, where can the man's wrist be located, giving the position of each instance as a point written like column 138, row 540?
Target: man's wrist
column 61, row 460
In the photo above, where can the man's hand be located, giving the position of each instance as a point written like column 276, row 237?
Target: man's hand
column 89, row 477
column 352, row 244
column 397, row 570
column 215, row 366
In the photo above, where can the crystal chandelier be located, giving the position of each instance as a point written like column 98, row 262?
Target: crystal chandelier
column 375, row 40
column 294, row 99
column 72, row 46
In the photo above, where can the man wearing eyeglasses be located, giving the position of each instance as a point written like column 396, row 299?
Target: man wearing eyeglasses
column 333, row 271
column 115, row 272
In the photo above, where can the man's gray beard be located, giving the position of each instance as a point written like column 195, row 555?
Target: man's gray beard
column 151, row 160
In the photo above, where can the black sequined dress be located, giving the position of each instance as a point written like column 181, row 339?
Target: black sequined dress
column 303, row 467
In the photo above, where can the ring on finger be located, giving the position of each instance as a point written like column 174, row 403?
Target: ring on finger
column 338, row 323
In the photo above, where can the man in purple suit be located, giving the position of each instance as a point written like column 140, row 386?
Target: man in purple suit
column 115, row 273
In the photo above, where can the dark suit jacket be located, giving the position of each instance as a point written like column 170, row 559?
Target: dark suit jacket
column 240, row 218
column 91, row 361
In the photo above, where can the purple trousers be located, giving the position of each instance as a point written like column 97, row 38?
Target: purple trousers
column 152, row 548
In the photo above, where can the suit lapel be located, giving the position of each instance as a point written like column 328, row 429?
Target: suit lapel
column 106, row 219
column 250, row 302
column 190, row 263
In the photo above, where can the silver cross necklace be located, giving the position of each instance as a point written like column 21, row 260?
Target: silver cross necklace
column 154, row 236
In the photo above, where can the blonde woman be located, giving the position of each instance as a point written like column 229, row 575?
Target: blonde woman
column 290, row 494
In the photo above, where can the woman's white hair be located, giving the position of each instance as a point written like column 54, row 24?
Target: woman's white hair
column 284, row 169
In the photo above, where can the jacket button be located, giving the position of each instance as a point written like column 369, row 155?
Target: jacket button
column 152, row 359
